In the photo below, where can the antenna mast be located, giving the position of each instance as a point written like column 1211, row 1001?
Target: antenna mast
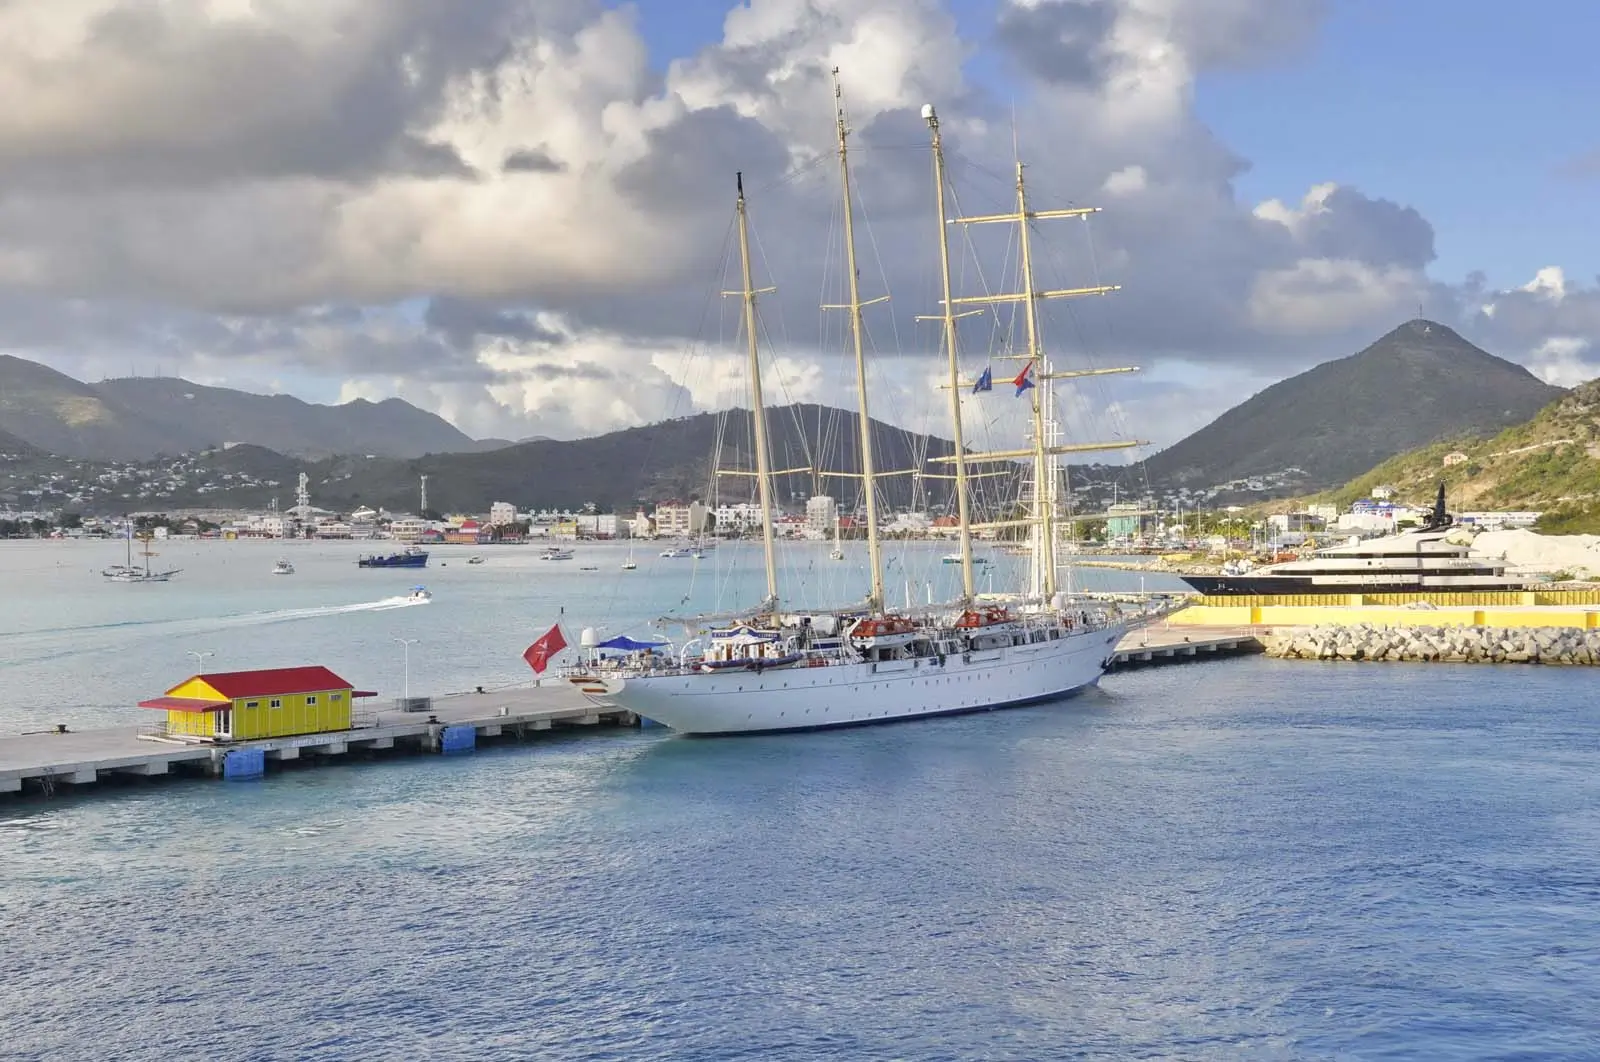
column 757, row 409
column 868, row 473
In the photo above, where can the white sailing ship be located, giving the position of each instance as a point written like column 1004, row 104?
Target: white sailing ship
column 131, row 573
column 779, row 670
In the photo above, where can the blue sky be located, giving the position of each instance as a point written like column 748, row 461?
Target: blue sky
column 1467, row 110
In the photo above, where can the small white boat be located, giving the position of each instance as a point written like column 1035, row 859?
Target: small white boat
column 419, row 593
column 556, row 553
column 474, row 560
column 628, row 566
column 283, row 567
column 955, row 558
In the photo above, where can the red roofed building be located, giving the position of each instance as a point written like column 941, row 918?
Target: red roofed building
column 239, row 705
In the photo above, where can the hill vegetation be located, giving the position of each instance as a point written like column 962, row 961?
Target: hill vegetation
column 1419, row 383
column 1550, row 463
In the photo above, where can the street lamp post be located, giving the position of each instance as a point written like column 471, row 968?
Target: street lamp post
column 200, row 659
column 407, row 643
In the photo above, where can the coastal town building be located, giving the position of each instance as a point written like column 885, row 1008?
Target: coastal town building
column 502, row 514
column 821, row 513
column 680, row 520
column 241, row 705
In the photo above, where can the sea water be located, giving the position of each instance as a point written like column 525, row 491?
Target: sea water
column 1228, row 859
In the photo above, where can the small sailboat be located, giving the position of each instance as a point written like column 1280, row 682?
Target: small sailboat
column 837, row 553
column 283, row 567
column 129, row 573
column 628, row 564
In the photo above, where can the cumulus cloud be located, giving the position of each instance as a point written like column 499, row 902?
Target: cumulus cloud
column 505, row 212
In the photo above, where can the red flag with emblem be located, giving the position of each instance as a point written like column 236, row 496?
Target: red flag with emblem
column 548, row 644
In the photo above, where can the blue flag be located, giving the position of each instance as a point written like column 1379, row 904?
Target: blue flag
column 985, row 382
column 1024, row 378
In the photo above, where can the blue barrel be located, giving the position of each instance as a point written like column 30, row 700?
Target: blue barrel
column 241, row 764
column 458, row 739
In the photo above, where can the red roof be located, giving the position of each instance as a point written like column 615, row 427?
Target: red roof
column 273, row 681
column 185, row 704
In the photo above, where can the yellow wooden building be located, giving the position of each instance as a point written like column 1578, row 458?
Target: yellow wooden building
column 240, row 705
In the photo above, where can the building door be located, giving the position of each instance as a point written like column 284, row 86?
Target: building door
column 224, row 723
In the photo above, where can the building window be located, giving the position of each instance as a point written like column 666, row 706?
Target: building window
column 252, row 704
column 311, row 698
column 275, row 703
column 335, row 696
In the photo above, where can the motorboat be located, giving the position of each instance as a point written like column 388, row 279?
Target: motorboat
column 556, row 553
column 419, row 593
column 283, row 567
column 474, row 560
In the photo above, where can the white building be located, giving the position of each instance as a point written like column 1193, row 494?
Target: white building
column 738, row 519
column 596, row 525
column 822, row 512
column 502, row 514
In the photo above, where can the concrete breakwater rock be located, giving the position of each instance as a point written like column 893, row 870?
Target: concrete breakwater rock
column 1448, row 645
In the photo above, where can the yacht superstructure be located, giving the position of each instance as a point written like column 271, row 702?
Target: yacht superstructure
column 1419, row 560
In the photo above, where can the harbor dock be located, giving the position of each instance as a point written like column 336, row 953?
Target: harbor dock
column 47, row 760
column 1155, row 646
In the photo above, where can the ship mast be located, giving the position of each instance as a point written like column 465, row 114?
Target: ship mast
column 1044, row 527
column 963, row 504
column 1042, row 518
column 868, row 473
column 758, row 410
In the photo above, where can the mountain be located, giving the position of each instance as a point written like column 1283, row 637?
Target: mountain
column 1551, row 463
column 1419, row 383
column 11, row 446
column 209, row 416
column 54, row 412
column 138, row 418
column 658, row 462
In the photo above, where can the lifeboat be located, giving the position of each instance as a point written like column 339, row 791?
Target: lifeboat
column 882, row 627
column 974, row 618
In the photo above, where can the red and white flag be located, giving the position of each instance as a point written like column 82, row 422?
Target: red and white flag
column 548, row 644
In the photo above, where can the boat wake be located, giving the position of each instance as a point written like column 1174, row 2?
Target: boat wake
column 169, row 627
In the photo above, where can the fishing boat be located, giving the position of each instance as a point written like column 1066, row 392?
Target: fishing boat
column 129, row 572
column 779, row 670
column 283, row 567
column 556, row 553
column 412, row 557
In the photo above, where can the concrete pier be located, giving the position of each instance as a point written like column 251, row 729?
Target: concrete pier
column 1154, row 646
column 46, row 761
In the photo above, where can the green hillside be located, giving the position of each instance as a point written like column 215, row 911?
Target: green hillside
column 1550, row 463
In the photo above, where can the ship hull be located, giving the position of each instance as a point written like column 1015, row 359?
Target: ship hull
column 860, row 694
column 393, row 562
